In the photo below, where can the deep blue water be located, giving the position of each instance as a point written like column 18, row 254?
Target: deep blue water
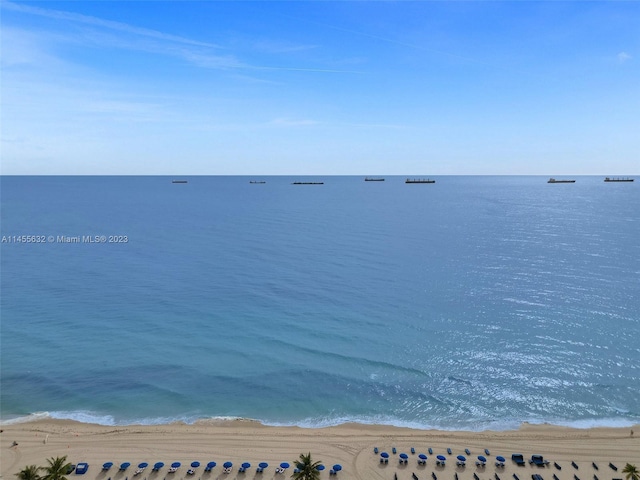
column 472, row 303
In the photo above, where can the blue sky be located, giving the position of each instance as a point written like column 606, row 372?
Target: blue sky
column 320, row 87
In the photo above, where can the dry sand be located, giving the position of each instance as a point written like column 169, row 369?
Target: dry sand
column 350, row 445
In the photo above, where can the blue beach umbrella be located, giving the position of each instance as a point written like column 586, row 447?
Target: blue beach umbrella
column 107, row 465
column 461, row 458
column 158, row 465
column 481, row 458
column 320, row 467
column 284, row 465
column 211, row 464
column 442, row 458
column 422, row 456
column 404, row 456
column 337, row 468
column 500, row 458
column 175, row 465
column 246, row 465
column 195, row 464
column 263, row 464
column 384, row 455
column 227, row 464
column 125, row 465
column 143, row 465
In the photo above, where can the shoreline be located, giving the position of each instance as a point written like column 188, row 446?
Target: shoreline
column 108, row 421
column 351, row 445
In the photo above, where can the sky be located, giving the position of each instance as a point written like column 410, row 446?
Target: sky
column 320, row 87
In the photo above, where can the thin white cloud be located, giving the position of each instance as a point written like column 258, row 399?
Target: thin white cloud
column 99, row 22
column 624, row 57
column 276, row 47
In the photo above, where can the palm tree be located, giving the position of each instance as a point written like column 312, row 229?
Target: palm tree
column 307, row 468
column 631, row 472
column 57, row 468
column 29, row 472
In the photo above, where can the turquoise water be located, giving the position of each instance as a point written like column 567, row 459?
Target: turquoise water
column 472, row 303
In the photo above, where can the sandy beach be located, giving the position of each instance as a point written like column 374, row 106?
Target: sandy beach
column 350, row 445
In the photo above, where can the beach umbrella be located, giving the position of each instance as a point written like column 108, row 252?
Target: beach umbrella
column 158, row 465
column 195, row 464
column 227, row 465
column 284, row 465
column 125, row 465
column 211, row 464
column 107, row 465
column 500, row 458
column 422, row 456
column 143, row 465
column 175, row 465
column 320, row 467
column 461, row 458
column 263, row 464
column 481, row 458
column 384, row 455
column 246, row 465
column 404, row 456
column 442, row 458
column 337, row 468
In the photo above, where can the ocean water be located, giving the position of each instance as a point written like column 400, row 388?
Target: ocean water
column 472, row 303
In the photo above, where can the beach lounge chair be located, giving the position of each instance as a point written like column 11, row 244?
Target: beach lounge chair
column 555, row 464
column 434, row 476
column 449, row 451
column 555, row 477
column 467, row 451
column 575, row 477
column 594, row 465
column 375, row 450
column 413, row 451
column 595, row 477
column 613, row 467
column 486, row 451
column 575, row 465
column 496, row 476
column 475, row 476
column 393, row 450
column 414, row 476
column 395, row 476
column 430, row 451
column 515, row 477
column 456, row 476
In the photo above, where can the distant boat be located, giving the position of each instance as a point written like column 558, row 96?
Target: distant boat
column 307, row 183
column 179, row 181
column 419, row 180
column 257, row 181
column 553, row 180
column 371, row 179
column 626, row 179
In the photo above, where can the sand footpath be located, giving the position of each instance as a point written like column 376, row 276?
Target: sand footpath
column 350, row 445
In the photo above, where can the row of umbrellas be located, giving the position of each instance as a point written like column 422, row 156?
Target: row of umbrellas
column 442, row 458
column 210, row 465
